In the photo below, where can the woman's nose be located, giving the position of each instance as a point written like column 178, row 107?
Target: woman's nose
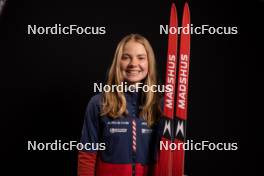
column 133, row 61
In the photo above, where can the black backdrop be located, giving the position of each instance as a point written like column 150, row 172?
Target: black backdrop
column 47, row 80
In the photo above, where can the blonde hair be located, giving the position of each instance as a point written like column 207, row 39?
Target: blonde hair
column 114, row 103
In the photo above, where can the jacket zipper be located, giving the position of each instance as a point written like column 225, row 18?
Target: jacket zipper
column 134, row 147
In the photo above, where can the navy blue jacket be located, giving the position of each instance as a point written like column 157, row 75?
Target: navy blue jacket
column 117, row 133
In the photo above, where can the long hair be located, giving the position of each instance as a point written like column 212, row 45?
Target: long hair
column 114, row 103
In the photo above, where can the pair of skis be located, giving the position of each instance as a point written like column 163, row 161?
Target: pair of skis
column 171, row 159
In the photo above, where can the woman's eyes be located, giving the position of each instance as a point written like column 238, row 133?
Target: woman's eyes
column 125, row 57
column 141, row 58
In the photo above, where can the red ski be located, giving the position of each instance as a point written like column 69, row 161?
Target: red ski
column 171, row 162
column 182, row 96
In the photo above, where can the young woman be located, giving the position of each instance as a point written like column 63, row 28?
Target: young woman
column 123, row 124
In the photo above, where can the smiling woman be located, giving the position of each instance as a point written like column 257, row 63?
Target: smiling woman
column 125, row 121
column 134, row 62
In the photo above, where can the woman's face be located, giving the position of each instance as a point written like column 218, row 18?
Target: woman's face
column 134, row 62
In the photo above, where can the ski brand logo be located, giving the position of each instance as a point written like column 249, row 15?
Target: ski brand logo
column 171, row 67
column 174, row 129
column 183, row 81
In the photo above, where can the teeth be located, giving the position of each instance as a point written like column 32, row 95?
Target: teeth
column 132, row 72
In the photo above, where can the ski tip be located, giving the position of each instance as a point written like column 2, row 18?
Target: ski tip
column 173, row 11
column 173, row 7
column 186, row 7
column 186, row 15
